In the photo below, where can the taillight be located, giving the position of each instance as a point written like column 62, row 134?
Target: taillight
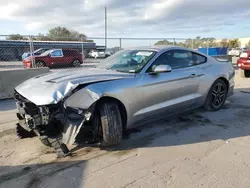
column 248, row 60
column 27, row 63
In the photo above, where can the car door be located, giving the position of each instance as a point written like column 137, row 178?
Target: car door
column 56, row 57
column 167, row 92
column 69, row 56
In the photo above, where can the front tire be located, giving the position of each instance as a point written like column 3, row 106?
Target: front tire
column 111, row 124
column 216, row 96
column 40, row 64
column 45, row 141
column 244, row 73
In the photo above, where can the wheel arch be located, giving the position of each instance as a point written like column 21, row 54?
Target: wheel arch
column 207, row 96
column 224, row 80
column 219, row 78
column 76, row 59
column 122, row 108
column 40, row 60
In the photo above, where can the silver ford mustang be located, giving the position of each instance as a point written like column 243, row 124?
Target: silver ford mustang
column 132, row 86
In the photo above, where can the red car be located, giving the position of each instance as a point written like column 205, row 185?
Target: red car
column 55, row 57
column 244, row 63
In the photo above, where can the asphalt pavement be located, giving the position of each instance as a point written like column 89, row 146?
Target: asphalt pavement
column 201, row 149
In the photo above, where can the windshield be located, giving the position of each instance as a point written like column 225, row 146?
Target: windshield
column 37, row 50
column 128, row 60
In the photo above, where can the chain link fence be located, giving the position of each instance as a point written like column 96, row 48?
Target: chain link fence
column 36, row 51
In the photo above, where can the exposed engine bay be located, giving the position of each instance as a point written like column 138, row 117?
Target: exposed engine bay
column 55, row 124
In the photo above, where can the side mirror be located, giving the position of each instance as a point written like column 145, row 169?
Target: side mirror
column 162, row 68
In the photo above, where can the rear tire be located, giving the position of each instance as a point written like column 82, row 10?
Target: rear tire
column 76, row 63
column 111, row 124
column 244, row 73
column 216, row 96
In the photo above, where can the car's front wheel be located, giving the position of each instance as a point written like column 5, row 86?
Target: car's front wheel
column 216, row 96
column 244, row 73
column 40, row 64
column 110, row 123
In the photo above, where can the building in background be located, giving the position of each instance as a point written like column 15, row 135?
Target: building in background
column 244, row 41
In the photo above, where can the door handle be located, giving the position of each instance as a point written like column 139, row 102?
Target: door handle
column 192, row 76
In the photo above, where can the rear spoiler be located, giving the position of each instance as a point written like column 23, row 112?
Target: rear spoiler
column 222, row 60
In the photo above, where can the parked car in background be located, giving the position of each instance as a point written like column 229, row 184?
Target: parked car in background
column 235, row 52
column 244, row 64
column 55, row 57
column 98, row 54
column 36, row 52
column 131, row 86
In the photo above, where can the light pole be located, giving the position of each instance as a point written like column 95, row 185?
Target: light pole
column 105, row 28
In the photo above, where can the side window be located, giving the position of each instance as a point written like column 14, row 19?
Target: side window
column 57, row 53
column 199, row 59
column 161, row 60
column 175, row 59
column 181, row 59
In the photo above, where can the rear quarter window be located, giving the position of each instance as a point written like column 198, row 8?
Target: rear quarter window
column 199, row 59
column 71, row 52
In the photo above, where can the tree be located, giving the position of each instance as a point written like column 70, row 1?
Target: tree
column 43, row 37
column 233, row 43
column 64, row 34
column 163, row 42
column 224, row 43
column 15, row 37
column 197, row 43
column 210, row 42
column 57, row 33
column 204, row 42
column 192, row 43
column 189, row 43
column 248, row 44
column 182, row 44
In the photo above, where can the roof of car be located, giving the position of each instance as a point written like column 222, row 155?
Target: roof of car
column 157, row 47
column 246, row 51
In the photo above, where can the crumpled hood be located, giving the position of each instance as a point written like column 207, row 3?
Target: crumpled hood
column 50, row 88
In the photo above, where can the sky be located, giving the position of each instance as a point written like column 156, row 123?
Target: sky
column 129, row 18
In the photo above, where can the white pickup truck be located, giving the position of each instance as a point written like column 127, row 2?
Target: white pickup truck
column 97, row 54
column 235, row 52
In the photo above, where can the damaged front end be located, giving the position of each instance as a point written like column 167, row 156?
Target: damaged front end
column 55, row 124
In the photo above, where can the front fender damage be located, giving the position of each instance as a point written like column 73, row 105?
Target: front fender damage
column 81, row 105
column 71, row 128
column 59, row 124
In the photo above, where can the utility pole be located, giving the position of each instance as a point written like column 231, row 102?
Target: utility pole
column 120, row 42
column 105, row 28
